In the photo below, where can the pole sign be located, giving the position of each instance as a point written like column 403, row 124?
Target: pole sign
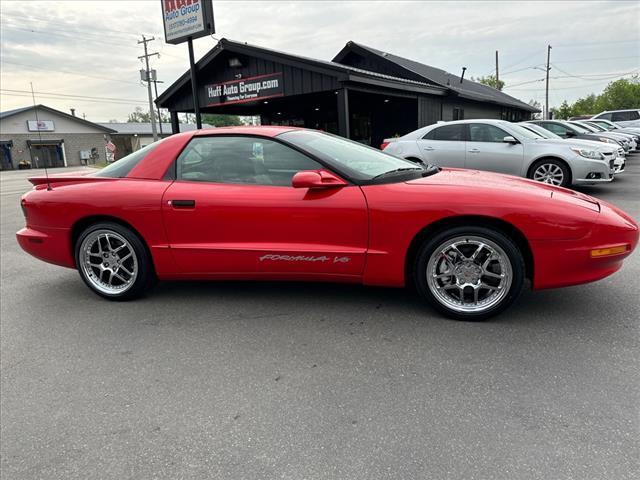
column 245, row 90
column 184, row 19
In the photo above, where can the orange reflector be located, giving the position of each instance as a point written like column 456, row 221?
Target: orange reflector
column 603, row 252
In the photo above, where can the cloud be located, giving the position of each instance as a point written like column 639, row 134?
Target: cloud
column 91, row 49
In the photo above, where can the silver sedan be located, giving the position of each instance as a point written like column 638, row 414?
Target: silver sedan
column 500, row 146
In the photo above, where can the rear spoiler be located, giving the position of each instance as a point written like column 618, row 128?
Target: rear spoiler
column 57, row 179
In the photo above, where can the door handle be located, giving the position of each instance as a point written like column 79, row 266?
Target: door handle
column 429, row 149
column 474, row 150
column 182, row 203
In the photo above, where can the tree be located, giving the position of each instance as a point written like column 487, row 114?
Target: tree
column 538, row 105
column 621, row 94
column 141, row 116
column 218, row 120
column 563, row 112
column 490, row 80
column 618, row 95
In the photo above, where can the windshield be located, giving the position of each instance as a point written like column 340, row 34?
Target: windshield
column 541, row 131
column 356, row 160
column 577, row 128
column 525, row 132
column 596, row 127
column 588, row 128
column 121, row 168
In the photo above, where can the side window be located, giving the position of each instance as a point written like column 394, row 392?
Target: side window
column 605, row 116
column 451, row 133
column 429, row 135
column 479, row 132
column 557, row 129
column 244, row 160
column 625, row 116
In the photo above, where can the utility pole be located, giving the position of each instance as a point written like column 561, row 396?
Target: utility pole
column 546, row 95
column 497, row 72
column 146, row 56
column 155, row 87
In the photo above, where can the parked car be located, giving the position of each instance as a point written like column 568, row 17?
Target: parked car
column 620, row 136
column 614, row 127
column 629, row 117
column 568, row 130
column 281, row 203
column 609, row 151
column 504, row 147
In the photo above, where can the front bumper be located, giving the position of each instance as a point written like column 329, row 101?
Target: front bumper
column 565, row 263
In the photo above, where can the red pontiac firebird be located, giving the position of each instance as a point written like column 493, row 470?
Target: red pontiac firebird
column 280, row 203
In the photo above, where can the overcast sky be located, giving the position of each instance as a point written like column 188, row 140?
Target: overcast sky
column 89, row 48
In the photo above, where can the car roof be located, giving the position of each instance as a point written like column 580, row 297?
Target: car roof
column 262, row 130
column 622, row 110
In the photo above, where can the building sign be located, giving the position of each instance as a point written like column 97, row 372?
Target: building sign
column 245, row 90
column 184, row 19
column 40, row 126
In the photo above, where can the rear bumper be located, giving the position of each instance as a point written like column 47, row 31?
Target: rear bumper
column 565, row 263
column 53, row 245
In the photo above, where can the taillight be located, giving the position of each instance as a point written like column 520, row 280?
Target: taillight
column 384, row 145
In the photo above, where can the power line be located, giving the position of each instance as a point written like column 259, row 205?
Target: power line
column 74, row 35
column 72, row 96
column 40, row 68
column 48, row 21
column 111, row 102
column 584, row 44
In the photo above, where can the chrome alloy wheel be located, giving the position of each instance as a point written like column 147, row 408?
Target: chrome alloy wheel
column 549, row 173
column 108, row 262
column 469, row 274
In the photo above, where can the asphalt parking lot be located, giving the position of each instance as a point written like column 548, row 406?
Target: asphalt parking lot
column 307, row 381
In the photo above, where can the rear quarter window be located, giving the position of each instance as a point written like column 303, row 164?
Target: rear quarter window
column 121, row 168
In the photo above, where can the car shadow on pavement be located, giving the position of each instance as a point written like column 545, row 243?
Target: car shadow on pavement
column 175, row 300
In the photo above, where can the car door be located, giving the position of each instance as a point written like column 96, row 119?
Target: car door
column 232, row 211
column 487, row 150
column 444, row 146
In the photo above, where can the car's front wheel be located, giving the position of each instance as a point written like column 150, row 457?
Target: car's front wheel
column 113, row 261
column 551, row 171
column 469, row 273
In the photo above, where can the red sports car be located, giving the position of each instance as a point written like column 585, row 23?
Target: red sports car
column 280, row 203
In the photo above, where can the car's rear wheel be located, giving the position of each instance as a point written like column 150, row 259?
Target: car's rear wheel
column 551, row 171
column 469, row 273
column 113, row 261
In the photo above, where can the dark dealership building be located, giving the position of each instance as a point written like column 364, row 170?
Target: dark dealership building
column 363, row 93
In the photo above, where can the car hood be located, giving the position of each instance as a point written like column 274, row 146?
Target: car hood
column 507, row 184
column 578, row 143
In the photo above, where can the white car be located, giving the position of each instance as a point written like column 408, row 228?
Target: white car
column 607, row 150
column 625, row 118
column 504, row 147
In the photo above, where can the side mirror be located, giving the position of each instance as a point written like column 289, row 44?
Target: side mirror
column 316, row 179
column 510, row 139
column 570, row 134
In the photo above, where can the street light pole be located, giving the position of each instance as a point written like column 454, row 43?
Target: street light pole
column 546, row 95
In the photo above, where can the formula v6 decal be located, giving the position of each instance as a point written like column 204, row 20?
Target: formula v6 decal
column 303, row 258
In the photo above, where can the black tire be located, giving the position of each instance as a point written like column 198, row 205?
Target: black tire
column 566, row 171
column 145, row 277
column 496, row 237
